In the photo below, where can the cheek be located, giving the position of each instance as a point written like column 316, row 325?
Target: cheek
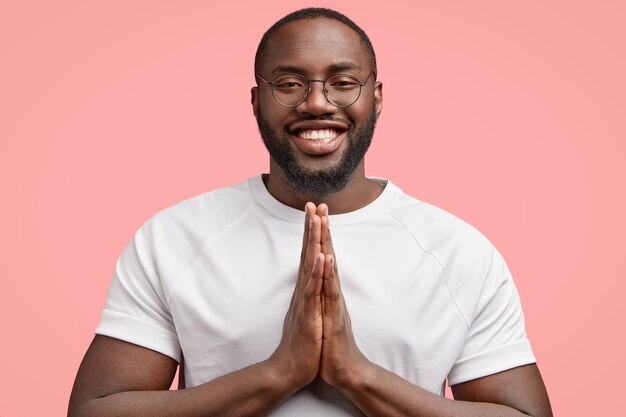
column 358, row 117
column 275, row 117
column 362, row 113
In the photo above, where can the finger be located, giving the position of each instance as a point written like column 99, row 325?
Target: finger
column 327, row 241
column 314, row 287
column 331, row 292
column 322, row 209
column 309, row 210
column 313, row 247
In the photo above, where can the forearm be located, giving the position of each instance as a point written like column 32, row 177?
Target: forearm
column 377, row 392
column 252, row 391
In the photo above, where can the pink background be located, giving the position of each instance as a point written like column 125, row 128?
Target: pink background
column 509, row 114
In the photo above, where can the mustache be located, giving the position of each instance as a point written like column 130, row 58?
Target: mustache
column 289, row 125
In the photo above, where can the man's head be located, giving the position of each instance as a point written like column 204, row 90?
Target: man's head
column 316, row 145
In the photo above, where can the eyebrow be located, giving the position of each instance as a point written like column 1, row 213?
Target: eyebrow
column 341, row 66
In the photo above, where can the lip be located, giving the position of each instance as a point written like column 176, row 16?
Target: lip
column 317, row 125
column 318, row 146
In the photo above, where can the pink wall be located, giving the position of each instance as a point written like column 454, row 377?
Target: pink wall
column 509, row 114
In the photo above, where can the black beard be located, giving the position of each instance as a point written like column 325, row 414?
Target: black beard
column 318, row 183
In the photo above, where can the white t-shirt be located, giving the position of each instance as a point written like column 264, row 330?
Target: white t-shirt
column 211, row 278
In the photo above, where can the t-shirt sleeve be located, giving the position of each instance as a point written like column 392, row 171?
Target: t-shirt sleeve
column 137, row 309
column 496, row 339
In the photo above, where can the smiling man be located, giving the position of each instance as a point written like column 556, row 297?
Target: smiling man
column 268, row 314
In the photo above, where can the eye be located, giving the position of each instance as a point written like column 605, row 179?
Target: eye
column 343, row 82
column 289, row 82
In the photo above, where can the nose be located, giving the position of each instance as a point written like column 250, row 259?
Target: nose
column 315, row 102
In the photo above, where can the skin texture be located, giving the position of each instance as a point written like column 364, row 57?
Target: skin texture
column 121, row 379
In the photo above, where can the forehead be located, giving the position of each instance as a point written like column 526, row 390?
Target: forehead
column 314, row 45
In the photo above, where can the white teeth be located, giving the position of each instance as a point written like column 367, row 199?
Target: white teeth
column 322, row 134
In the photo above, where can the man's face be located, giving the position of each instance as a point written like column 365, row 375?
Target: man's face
column 316, row 145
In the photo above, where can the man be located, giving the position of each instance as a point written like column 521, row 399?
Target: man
column 268, row 319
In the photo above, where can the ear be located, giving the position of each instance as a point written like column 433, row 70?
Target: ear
column 254, row 99
column 378, row 98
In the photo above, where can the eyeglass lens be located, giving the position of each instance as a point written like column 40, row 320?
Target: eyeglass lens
column 292, row 89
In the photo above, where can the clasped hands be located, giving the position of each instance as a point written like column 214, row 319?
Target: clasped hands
column 317, row 334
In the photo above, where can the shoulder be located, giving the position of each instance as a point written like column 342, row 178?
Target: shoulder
column 203, row 214
column 470, row 263
column 173, row 237
column 444, row 235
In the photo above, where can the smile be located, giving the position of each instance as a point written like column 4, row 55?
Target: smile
column 319, row 134
column 318, row 141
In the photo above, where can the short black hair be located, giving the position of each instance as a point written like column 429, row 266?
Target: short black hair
column 315, row 13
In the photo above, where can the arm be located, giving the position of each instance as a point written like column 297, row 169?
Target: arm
column 376, row 391
column 516, row 392
column 117, row 378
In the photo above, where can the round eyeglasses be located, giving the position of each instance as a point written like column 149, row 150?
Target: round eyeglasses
column 340, row 90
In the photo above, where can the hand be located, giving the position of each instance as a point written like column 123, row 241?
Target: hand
column 341, row 357
column 298, row 354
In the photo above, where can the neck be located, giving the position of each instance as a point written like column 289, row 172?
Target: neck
column 358, row 192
